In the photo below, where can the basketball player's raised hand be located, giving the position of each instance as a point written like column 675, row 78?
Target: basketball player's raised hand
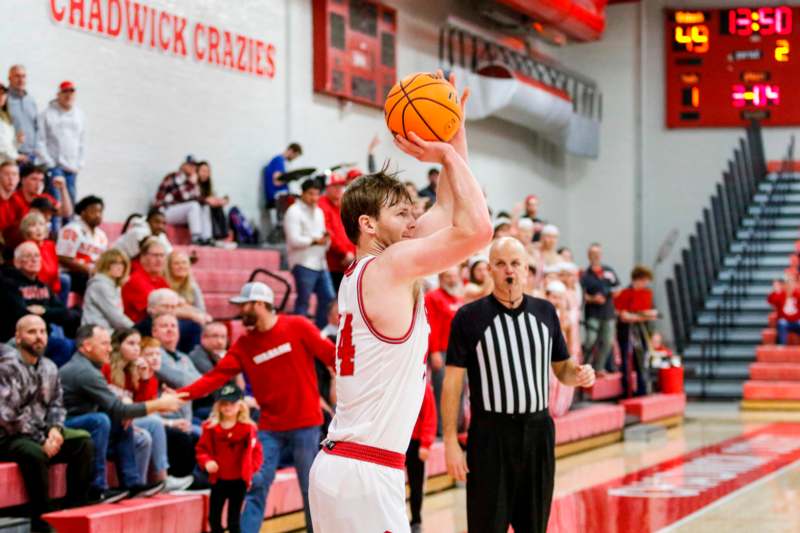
column 584, row 376
column 459, row 140
column 426, row 151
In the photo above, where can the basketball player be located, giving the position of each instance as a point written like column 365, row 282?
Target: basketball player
column 358, row 479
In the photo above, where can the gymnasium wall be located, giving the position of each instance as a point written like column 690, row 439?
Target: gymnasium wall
column 146, row 109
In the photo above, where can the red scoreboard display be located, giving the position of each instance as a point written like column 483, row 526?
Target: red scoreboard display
column 728, row 66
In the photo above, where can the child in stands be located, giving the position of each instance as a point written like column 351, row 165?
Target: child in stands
column 229, row 450
column 785, row 298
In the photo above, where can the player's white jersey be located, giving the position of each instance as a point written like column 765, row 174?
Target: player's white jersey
column 380, row 381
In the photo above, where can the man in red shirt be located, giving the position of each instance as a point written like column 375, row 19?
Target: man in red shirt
column 785, row 298
column 634, row 306
column 341, row 252
column 277, row 356
column 17, row 206
column 441, row 305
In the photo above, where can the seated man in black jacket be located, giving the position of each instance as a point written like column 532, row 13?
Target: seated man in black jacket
column 32, row 432
column 21, row 293
column 92, row 406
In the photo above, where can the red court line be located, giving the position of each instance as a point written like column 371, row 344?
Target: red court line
column 655, row 497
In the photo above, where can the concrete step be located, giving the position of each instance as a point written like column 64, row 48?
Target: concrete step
column 760, row 273
column 734, row 335
column 781, row 195
column 776, row 261
column 779, row 222
column 735, row 370
column 758, row 289
column 788, row 210
column 772, row 235
column 718, row 388
column 744, row 318
column 770, row 248
column 749, row 303
column 741, row 352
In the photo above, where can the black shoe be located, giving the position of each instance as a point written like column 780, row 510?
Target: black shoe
column 40, row 526
column 107, row 496
column 146, row 491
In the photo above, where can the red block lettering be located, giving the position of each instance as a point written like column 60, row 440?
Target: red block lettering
column 259, row 52
column 241, row 43
column 76, row 6
column 162, row 18
column 345, row 351
column 58, row 15
column 95, row 17
column 135, row 23
column 213, row 45
column 271, row 60
column 179, row 26
column 114, row 18
column 227, row 50
column 199, row 54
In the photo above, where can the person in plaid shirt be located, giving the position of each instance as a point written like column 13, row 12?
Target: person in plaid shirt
column 180, row 197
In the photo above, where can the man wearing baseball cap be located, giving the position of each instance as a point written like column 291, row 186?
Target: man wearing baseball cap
column 341, row 251
column 277, row 356
column 61, row 139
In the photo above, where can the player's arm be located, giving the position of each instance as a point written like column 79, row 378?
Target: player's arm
column 451, row 399
column 470, row 229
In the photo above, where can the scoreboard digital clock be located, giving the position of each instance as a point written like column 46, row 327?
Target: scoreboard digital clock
column 728, row 66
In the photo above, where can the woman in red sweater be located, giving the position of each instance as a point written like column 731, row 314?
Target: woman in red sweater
column 418, row 451
column 229, row 450
column 34, row 228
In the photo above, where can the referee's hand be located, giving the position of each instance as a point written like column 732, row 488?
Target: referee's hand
column 584, row 376
column 456, row 461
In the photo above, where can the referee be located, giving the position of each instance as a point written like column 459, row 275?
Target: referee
column 506, row 342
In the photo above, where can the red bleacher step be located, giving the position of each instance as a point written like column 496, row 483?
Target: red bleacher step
column 775, row 371
column 13, row 487
column 164, row 513
column 771, row 390
column 776, row 353
column 770, row 336
column 655, row 406
column 209, row 257
column 588, row 422
column 605, row 387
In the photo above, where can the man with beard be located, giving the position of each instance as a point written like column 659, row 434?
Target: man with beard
column 32, row 414
column 277, row 356
column 441, row 305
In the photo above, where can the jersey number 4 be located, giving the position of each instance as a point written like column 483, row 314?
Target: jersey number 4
column 345, row 351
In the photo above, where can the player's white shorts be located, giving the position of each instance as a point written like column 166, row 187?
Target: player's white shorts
column 351, row 496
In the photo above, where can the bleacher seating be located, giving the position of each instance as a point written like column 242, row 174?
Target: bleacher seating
column 655, row 407
column 13, row 492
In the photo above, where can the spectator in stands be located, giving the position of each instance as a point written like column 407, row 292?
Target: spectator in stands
column 147, row 275
column 137, row 228
column 82, row 241
column 61, row 141
column 181, row 280
column 10, row 140
column 568, row 275
column 549, row 245
column 205, row 356
column 274, row 185
column 433, row 182
column 32, row 414
column 166, row 301
column 102, row 303
column 441, row 305
column 24, row 113
column 9, row 180
column 785, row 298
column 307, row 241
column 181, row 198
column 600, row 284
column 566, row 254
column 502, row 228
column 18, row 205
column 635, row 309
column 285, row 385
column 177, row 369
column 419, row 449
column 92, row 406
column 125, row 378
column 480, row 282
column 341, row 251
column 219, row 222
column 532, row 213
column 556, row 294
column 34, row 228
column 22, row 293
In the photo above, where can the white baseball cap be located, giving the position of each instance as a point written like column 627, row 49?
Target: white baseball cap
column 254, row 291
column 556, row 287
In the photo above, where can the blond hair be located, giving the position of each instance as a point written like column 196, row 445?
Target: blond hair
column 242, row 416
column 109, row 257
column 184, row 287
column 33, row 217
column 119, row 366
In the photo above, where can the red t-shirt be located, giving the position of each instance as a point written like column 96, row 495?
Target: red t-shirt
column 788, row 308
column 425, row 428
column 49, row 272
column 441, row 308
column 340, row 244
column 11, row 213
column 279, row 364
column 146, row 391
column 137, row 289
column 634, row 300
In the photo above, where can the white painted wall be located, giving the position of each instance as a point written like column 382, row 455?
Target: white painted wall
column 146, row 110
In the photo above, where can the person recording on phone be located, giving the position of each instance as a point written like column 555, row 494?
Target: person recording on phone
column 307, row 240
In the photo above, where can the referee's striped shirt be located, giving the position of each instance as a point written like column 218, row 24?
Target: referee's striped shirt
column 507, row 353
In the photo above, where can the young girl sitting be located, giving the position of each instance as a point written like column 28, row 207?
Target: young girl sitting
column 229, row 450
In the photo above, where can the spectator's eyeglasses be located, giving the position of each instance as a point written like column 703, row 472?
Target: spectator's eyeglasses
column 162, row 256
column 29, row 256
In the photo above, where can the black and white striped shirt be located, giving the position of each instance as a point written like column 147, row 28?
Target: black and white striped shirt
column 507, row 353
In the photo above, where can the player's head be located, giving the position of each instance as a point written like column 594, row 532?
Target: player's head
column 508, row 263
column 376, row 208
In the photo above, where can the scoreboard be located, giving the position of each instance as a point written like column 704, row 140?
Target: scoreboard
column 728, row 66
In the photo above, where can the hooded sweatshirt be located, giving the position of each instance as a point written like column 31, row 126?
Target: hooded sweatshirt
column 61, row 139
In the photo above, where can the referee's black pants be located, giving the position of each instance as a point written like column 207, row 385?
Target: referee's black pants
column 511, row 460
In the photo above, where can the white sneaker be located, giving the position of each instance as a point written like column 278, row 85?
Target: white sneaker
column 178, row 483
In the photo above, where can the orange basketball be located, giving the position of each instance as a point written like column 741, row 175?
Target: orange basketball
column 425, row 104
